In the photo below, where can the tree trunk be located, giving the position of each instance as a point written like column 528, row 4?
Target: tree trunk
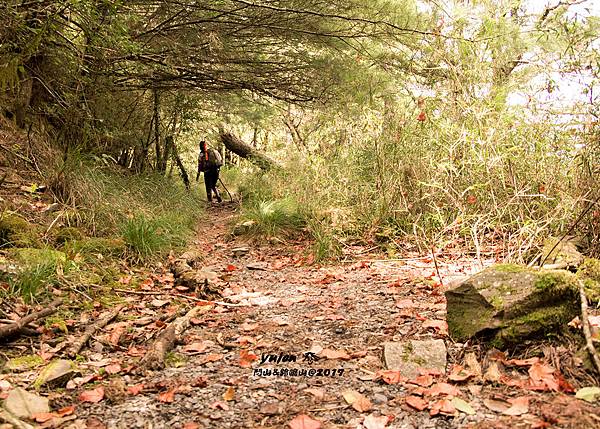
column 159, row 159
column 237, row 146
column 177, row 159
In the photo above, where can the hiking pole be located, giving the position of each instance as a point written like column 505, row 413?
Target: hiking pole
column 228, row 193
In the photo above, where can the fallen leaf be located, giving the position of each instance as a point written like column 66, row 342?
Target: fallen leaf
column 440, row 325
column 93, row 396
column 390, row 376
column 113, row 368
column 417, row 403
column 220, row 404
column 519, row 406
column 442, row 389
column 248, row 326
column 497, row 405
column 492, row 373
column 522, row 362
column 443, row 406
column 210, row 358
column 303, row 421
column 473, row 364
column 588, row 394
column 334, row 354
column 374, row 422
column 423, row 380
column 246, row 358
column 458, row 373
column 230, row 268
column 358, row 401
column 43, row 417
column 463, row 406
column 135, row 390
column 317, row 393
column 229, row 394
column 194, row 348
column 191, row 425
column 168, row 396
column 405, row 303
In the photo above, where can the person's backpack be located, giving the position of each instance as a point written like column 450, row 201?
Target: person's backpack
column 214, row 158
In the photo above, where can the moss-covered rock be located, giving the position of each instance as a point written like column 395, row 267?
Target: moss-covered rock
column 96, row 245
column 564, row 254
column 17, row 232
column 66, row 234
column 23, row 363
column 31, row 256
column 589, row 272
column 510, row 304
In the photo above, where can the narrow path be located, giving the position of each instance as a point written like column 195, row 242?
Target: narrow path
column 344, row 313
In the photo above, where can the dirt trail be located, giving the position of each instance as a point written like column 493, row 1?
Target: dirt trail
column 350, row 309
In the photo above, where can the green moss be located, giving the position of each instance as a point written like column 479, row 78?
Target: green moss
column 31, row 256
column 24, row 363
column 66, row 234
column 17, row 232
column 175, row 360
column 509, row 268
column 96, row 245
column 535, row 323
column 589, row 272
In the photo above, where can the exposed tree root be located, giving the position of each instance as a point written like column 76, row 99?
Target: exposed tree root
column 14, row 328
column 155, row 357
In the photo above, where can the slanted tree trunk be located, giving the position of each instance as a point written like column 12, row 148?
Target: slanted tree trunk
column 160, row 166
column 237, row 146
column 177, row 159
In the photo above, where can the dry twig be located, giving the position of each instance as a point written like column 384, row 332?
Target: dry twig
column 9, row 330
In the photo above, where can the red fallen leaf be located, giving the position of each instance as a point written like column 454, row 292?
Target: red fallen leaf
column 519, row 406
column 390, row 376
column 93, row 396
column 115, row 335
column 564, row 385
column 65, row 411
column 219, row 404
column 540, row 424
column 358, row 354
column 303, row 421
column 440, row 325
column 135, row 390
column 334, row 354
column 230, row 268
column 458, row 373
column 113, row 368
column 135, row 351
column 471, row 199
column 539, row 371
column 42, row 417
column 191, row 425
column 423, row 380
column 147, row 284
column 430, row 371
column 246, row 358
column 422, row 116
column 417, row 403
column 521, row 362
column 443, row 406
column 194, row 348
column 210, row 358
column 168, row 396
column 442, row 389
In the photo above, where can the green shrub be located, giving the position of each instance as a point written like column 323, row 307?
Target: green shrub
column 146, row 237
column 272, row 218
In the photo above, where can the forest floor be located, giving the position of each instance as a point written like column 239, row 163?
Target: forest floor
column 277, row 302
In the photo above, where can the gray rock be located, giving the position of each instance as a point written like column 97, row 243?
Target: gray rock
column 379, row 399
column 408, row 356
column 56, row 373
column 20, row 403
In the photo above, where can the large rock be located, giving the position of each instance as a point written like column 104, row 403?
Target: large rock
column 411, row 355
column 508, row 304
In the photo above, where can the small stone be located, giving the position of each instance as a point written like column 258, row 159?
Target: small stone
column 408, row 356
column 379, row 399
column 56, row 373
column 20, row 403
column 239, row 251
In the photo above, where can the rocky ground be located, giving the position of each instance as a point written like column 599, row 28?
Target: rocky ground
column 300, row 345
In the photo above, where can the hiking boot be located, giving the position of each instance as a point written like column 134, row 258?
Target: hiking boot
column 219, row 199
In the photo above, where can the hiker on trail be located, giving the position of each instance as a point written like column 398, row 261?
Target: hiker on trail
column 209, row 162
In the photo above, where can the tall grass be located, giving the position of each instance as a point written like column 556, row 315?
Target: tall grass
column 486, row 180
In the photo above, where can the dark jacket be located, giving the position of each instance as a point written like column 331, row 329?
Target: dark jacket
column 209, row 160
